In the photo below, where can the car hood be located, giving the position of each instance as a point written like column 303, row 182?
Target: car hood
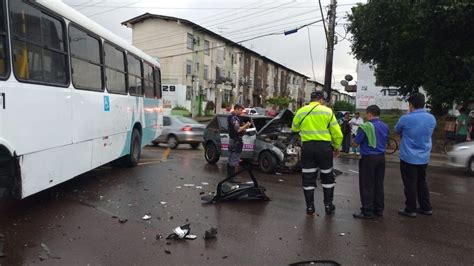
column 285, row 117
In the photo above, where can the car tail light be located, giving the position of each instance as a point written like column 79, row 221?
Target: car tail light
column 187, row 128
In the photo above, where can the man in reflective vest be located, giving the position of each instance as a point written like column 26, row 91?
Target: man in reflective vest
column 321, row 137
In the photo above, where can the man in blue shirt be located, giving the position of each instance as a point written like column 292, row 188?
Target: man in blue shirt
column 372, row 138
column 415, row 129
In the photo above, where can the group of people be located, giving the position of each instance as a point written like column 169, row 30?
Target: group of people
column 322, row 138
column 349, row 127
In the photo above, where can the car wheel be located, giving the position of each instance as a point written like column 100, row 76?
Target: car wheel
column 267, row 162
column 172, row 142
column 132, row 159
column 210, row 153
column 194, row 145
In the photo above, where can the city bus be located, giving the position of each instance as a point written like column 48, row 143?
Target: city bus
column 73, row 97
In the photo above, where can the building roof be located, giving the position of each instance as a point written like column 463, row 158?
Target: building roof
column 143, row 17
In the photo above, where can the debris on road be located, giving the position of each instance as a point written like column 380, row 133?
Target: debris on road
column 188, row 185
column 167, row 251
column 281, row 180
column 178, row 186
column 225, row 257
column 158, row 236
column 211, row 233
column 180, row 232
column 122, row 221
column 204, row 183
column 342, row 234
column 44, row 253
column 278, row 173
column 2, row 243
column 146, row 217
column 198, row 187
column 163, row 202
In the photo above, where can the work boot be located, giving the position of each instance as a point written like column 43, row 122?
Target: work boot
column 309, row 198
column 328, row 197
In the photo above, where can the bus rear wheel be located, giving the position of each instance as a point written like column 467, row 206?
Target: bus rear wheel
column 132, row 159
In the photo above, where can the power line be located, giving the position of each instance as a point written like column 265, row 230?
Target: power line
column 239, row 42
column 248, row 15
column 110, row 10
column 222, row 15
column 256, row 28
column 324, row 23
column 311, row 54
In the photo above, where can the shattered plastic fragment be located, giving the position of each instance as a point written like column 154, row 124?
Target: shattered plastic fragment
column 198, row 187
column 191, row 237
column 163, row 202
column 281, row 180
column 146, row 217
column 342, row 234
column 2, row 243
column 44, row 254
column 278, row 173
column 122, row 221
column 188, row 185
column 180, row 232
column 167, row 251
column 211, row 233
column 204, row 183
column 178, row 186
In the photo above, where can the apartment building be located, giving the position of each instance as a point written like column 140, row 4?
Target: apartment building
column 200, row 66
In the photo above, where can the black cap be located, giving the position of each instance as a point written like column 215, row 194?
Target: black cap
column 317, row 95
column 239, row 105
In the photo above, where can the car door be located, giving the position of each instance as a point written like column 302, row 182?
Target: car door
column 224, row 135
column 166, row 129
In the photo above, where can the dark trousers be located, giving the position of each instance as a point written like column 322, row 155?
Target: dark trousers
column 317, row 155
column 371, row 176
column 415, row 186
column 346, row 142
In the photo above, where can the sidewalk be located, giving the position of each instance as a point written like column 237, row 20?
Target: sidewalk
column 437, row 159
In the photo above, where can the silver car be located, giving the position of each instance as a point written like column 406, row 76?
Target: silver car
column 180, row 130
column 462, row 155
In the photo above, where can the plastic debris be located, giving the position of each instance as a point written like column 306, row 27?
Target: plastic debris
column 146, row 217
column 182, row 232
column 44, row 254
column 122, row 221
column 198, row 187
column 163, row 202
column 225, row 257
column 158, row 236
column 278, row 173
column 2, row 243
column 188, row 185
column 178, row 186
column 342, row 234
column 167, row 251
column 281, row 180
column 204, row 183
column 211, row 233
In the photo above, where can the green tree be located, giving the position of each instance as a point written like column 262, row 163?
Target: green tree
column 280, row 101
column 418, row 43
column 343, row 106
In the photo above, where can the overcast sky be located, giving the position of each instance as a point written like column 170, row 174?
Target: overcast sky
column 240, row 20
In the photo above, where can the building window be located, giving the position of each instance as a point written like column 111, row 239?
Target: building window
column 135, row 79
column 85, row 60
column 197, row 68
column 114, row 69
column 189, row 67
column 206, row 47
column 190, row 41
column 206, row 72
column 39, row 46
column 189, row 92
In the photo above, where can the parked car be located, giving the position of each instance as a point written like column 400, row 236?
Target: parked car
column 270, row 144
column 462, row 155
column 180, row 130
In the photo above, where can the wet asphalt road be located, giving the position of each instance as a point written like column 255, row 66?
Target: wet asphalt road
column 76, row 220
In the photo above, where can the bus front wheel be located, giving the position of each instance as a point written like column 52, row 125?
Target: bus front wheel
column 132, row 159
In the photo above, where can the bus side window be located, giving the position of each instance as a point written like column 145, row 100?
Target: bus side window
column 114, row 69
column 134, row 76
column 3, row 47
column 157, row 74
column 85, row 60
column 39, row 50
column 149, row 86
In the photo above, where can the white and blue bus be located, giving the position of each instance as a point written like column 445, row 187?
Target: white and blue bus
column 73, row 96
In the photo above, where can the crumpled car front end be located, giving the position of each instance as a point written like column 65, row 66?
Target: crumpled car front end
column 277, row 137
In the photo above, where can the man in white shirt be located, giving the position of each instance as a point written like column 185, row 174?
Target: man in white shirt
column 355, row 122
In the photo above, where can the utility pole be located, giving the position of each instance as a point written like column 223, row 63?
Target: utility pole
column 330, row 48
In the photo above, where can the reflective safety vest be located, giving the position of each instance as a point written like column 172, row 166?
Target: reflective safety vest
column 317, row 122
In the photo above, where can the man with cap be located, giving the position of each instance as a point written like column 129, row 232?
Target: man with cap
column 236, row 131
column 321, row 137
